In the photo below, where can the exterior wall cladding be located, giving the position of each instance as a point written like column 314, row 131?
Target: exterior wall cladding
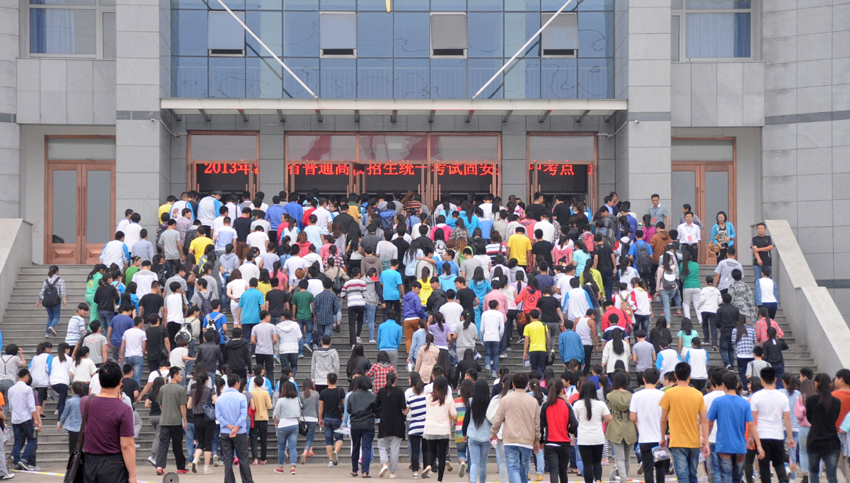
column 787, row 103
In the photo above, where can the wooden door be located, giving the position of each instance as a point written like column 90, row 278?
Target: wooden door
column 709, row 188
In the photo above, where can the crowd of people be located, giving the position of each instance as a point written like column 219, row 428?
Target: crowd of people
column 231, row 294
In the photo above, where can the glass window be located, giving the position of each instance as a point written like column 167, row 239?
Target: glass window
column 718, row 35
column 339, row 78
column 227, row 77
column 300, row 5
column 485, row 39
column 596, row 78
column 374, row 34
column 393, row 148
column 108, row 19
column 189, row 32
column 221, row 147
column 522, row 79
column 522, row 5
column 98, row 188
column 485, row 5
column 64, row 209
column 448, row 78
column 63, row 31
column 231, row 4
column 189, row 76
column 411, row 35
column 338, row 32
column 519, row 27
column 446, row 5
column 573, row 149
column 225, row 36
column 264, row 78
column 80, row 149
column 593, row 31
column 718, row 4
column 674, row 41
column 449, row 34
column 274, row 5
column 301, row 34
column 558, row 79
column 269, row 27
column 348, row 5
column 411, row 79
column 595, row 5
column 480, row 71
column 464, row 148
column 373, row 5
column 411, row 5
column 327, row 147
column 561, row 36
column 189, row 4
column 308, row 71
column 702, row 150
column 62, row 2
column 375, row 79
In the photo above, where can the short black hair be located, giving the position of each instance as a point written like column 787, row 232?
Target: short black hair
column 110, row 375
column 650, row 376
column 768, row 375
column 683, row 371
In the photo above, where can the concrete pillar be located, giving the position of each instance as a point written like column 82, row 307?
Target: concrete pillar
column 10, row 133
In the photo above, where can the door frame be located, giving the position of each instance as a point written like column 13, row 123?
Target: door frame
column 592, row 175
column 82, row 249
column 700, row 168
column 191, row 173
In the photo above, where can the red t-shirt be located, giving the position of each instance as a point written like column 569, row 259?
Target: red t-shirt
column 844, row 397
column 557, row 421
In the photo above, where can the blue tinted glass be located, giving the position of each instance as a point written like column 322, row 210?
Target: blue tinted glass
column 265, row 79
column 410, row 5
column 411, row 79
column 448, row 5
column 485, row 5
column 227, row 77
column 519, row 27
column 374, row 34
column 448, row 78
column 300, row 5
column 596, row 34
column 597, row 5
column 522, row 5
column 480, row 71
column 275, row 5
column 372, row 5
column 189, row 32
column 189, row 76
column 187, row 4
column 268, row 26
column 555, row 5
column 558, row 78
column 485, row 35
column 375, row 79
column 522, row 79
column 305, row 69
column 339, row 79
column 232, row 4
column 301, row 34
column 347, row 5
column 63, row 31
column 595, row 79
column 411, row 35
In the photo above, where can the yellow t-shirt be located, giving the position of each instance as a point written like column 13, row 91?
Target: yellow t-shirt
column 263, row 403
column 162, row 209
column 683, row 405
column 519, row 245
column 425, row 291
column 264, row 288
column 536, row 333
column 198, row 246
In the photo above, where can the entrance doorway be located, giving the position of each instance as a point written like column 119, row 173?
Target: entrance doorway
column 226, row 161
column 563, row 164
column 704, row 177
column 80, row 200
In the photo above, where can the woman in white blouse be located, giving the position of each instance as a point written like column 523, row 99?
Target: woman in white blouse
column 591, row 413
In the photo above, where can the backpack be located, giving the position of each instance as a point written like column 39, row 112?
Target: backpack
column 643, row 262
column 387, row 222
column 338, row 283
column 51, row 297
column 206, row 306
column 587, row 238
column 185, row 332
column 668, row 280
column 211, row 325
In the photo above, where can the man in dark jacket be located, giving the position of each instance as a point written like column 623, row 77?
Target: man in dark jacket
column 361, row 407
column 437, row 298
column 727, row 319
column 237, row 354
column 210, row 353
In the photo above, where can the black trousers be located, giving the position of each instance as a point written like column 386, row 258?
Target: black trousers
column 104, row 468
column 774, row 452
column 558, row 458
column 260, row 431
column 592, row 458
column 72, row 441
column 658, row 469
column 393, row 304
column 588, row 354
column 415, row 448
column 238, row 445
column 204, row 432
column 174, row 434
column 435, row 453
column 267, row 361
column 355, row 322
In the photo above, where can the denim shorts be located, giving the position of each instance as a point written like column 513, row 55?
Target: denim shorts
column 331, row 425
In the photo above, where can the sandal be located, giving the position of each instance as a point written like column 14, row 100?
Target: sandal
column 353, row 473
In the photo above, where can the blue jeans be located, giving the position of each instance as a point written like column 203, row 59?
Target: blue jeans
column 331, row 436
column 361, row 443
column 290, row 360
column 803, row 437
column 757, row 270
column 311, row 434
column 714, row 464
column 52, row 317
column 322, row 330
column 478, row 461
column 136, row 362
column 287, row 438
column 306, row 326
column 216, row 436
column 666, row 296
column 491, row 349
column 25, row 431
column 190, row 439
column 641, row 322
column 105, row 317
column 369, row 317
column 517, row 459
column 731, row 470
column 830, row 465
column 686, row 463
column 189, row 364
column 727, row 349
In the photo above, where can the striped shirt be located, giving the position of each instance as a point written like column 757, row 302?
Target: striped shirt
column 461, row 414
column 354, row 290
column 416, row 416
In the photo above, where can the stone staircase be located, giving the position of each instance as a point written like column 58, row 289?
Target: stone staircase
column 24, row 324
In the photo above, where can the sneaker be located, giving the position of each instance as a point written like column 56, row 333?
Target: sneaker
column 509, row 349
column 182, row 472
column 8, row 476
column 279, row 470
column 714, row 348
column 52, row 332
column 46, row 336
column 195, row 465
column 359, row 340
column 392, row 476
column 330, row 464
column 539, row 477
column 23, row 466
column 493, row 374
column 303, row 459
column 160, row 471
column 373, row 341
column 308, row 347
column 415, row 476
column 383, row 471
column 138, row 445
column 426, row 473
column 56, row 413
column 728, row 367
column 462, row 470
column 449, row 466
column 640, row 469
column 503, row 356
column 605, row 462
column 336, row 328
column 335, row 458
column 207, row 470
column 152, row 461
column 300, row 356
column 215, row 461
column 292, row 470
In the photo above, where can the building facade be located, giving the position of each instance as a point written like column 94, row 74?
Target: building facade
column 741, row 106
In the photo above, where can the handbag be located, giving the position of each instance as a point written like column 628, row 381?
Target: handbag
column 74, row 469
column 209, row 412
column 302, row 426
column 521, row 319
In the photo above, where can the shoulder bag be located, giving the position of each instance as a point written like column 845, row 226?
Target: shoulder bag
column 302, row 425
column 74, row 469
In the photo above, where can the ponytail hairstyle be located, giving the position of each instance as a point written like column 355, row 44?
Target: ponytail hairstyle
column 63, row 346
column 468, row 318
column 82, row 351
column 617, row 341
column 791, row 383
column 438, row 318
column 97, row 268
column 53, row 270
column 200, row 383
column 556, row 390
column 824, row 389
column 520, row 276
column 536, row 391
column 588, row 395
column 686, row 257
column 429, row 339
column 276, row 268
column 742, row 327
column 467, row 387
column 416, row 383
column 388, row 387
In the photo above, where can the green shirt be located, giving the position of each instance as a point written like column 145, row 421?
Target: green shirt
column 692, row 279
column 170, row 398
column 128, row 275
column 302, row 301
column 686, row 339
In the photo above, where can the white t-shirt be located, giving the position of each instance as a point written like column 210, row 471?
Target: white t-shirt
column 709, row 398
column 237, row 288
column 451, row 312
column 323, row 217
column 164, row 374
column 645, row 403
column 771, row 406
column 249, row 270
column 218, row 223
column 258, row 239
column 84, row 371
column 133, row 339
column 590, row 430
column 174, row 305
column 224, row 235
column 263, row 223
column 766, row 286
column 291, row 265
column 176, row 358
column 60, row 372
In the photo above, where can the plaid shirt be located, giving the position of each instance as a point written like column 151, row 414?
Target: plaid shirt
column 744, row 347
column 378, row 373
column 326, row 305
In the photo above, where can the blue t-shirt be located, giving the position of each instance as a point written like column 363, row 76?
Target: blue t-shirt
column 731, row 415
column 120, row 323
column 250, row 303
column 221, row 320
column 391, row 279
column 389, row 335
column 633, row 250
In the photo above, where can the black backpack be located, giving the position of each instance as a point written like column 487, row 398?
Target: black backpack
column 51, row 297
column 643, row 261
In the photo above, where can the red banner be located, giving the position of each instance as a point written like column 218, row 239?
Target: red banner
column 391, row 169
